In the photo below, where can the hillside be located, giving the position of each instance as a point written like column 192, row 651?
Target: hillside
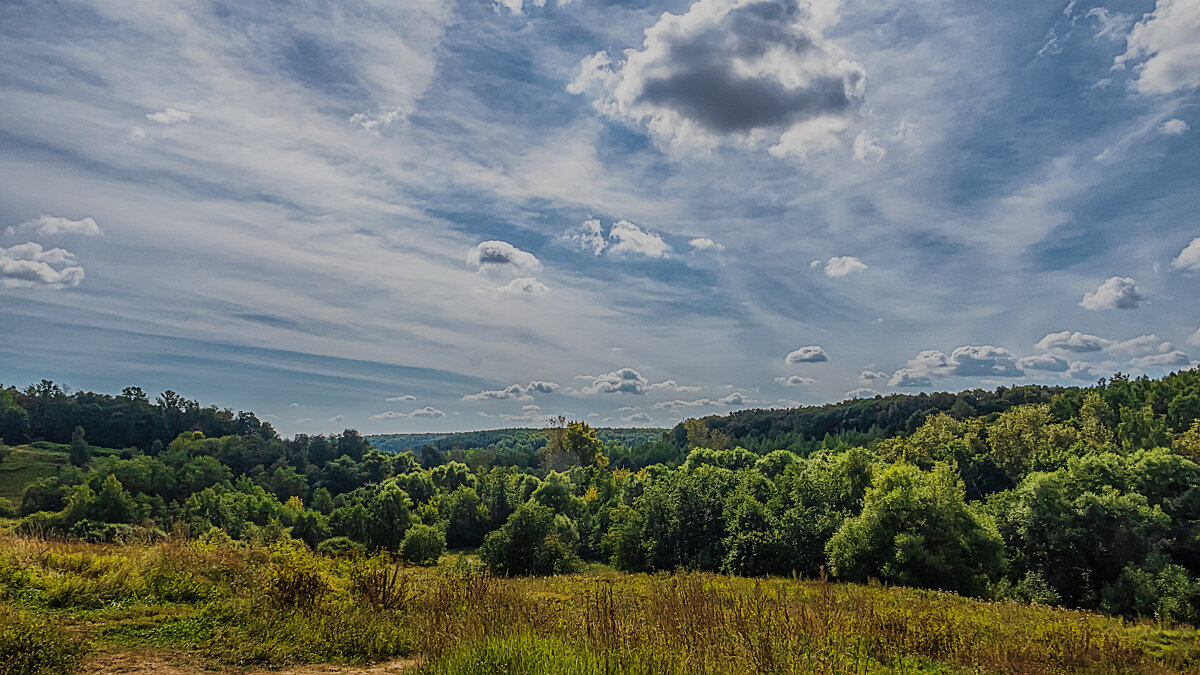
column 501, row 440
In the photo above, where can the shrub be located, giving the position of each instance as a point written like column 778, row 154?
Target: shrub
column 30, row 645
column 533, row 541
column 340, row 547
column 423, row 545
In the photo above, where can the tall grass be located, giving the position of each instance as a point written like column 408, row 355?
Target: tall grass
column 286, row 605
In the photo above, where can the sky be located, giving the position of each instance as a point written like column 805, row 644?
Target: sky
column 435, row 215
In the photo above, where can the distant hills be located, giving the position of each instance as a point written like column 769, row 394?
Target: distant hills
column 502, row 439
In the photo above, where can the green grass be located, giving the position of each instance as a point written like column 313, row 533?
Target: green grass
column 276, row 607
column 32, row 644
column 26, row 464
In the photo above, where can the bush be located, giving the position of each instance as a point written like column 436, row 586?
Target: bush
column 30, row 645
column 423, row 545
column 533, row 541
column 7, row 509
column 340, row 547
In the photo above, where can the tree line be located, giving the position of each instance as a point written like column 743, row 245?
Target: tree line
column 1080, row 497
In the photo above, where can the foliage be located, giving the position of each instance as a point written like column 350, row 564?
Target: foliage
column 534, row 540
column 423, row 545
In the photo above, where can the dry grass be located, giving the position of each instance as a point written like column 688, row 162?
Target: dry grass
column 280, row 606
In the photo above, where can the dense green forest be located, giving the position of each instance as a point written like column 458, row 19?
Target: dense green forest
column 1085, row 498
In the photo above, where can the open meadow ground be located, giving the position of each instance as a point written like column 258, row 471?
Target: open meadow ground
column 191, row 607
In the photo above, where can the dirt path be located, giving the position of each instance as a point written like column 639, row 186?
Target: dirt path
column 187, row 663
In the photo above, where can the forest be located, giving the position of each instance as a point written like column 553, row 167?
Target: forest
column 1079, row 498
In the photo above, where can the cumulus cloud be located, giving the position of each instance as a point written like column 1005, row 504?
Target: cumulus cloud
column 588, row 237
column 620, row 381
column 867, row 148
column 29, row 264
column 49, row 225
column 1072, row 342
column 426, row 412
column 1164, row 48
column 629, row 238
column 514, row 391
column 517, row 7
column 1165, row 360
column 840, row 266
column 524, row 286
column 337, row 419
column 1189, row 257
column 1046, row 362
column 1173, row 127
column 795, row 380
column 1195, row 338
column 672, row 385
column 503, row 256
column 736, row 398
column 705, row 244
column 638, row 418
column 965, row 361
column 1143, row 344
column 861, row 392
column 726, row 69
column 678, row 404
column 1082, row 370
column 169, row 116
column 871, row 376
column 809, row 354
column 1116, row 293
column 402, row 397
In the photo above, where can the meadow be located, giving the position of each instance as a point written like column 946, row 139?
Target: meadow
column 227, row 606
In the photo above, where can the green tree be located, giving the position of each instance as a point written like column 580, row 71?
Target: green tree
column 423, row 544
column 916, row 529
column 80, row 452
column 533, row 541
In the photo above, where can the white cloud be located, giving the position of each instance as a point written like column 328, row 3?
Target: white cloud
column 1194, row 339
column 620, row 381
column 137, row 134
column 28, row 265
column 517, row 7
column 169, row 116
column 795, row 380
column 809, row 354
column 1189, row 257
column 630, row 238
column 1164, row 48
column 1115, row 293
column 588, row 237
column 704, row 244
column 672, row 385
column 840, row 266
column 1072, row 342
column 1047, row 362
column 736, row 398
column 637, row 418
column 524, row 286
column 427, row 412
column 402, row 397
column 1171, row 358
column 965, row 361
column 503, row 256
column 514, row 391
column 1082, row 370
column 1143, row 344
column 867, row 148
column 743, row 71
column 1111, row 25
column 372, row 122
column 871, row 376
column 861, row 392
column 1173, row 127
column 678, row 404
column 337, row 419
column 49, row 225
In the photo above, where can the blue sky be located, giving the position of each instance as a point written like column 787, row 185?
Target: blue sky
column 434, row 215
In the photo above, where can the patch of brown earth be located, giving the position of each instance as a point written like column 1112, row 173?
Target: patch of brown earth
column 190, row 663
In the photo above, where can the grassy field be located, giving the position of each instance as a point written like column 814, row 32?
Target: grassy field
column 25, row 464
column 65, row 605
